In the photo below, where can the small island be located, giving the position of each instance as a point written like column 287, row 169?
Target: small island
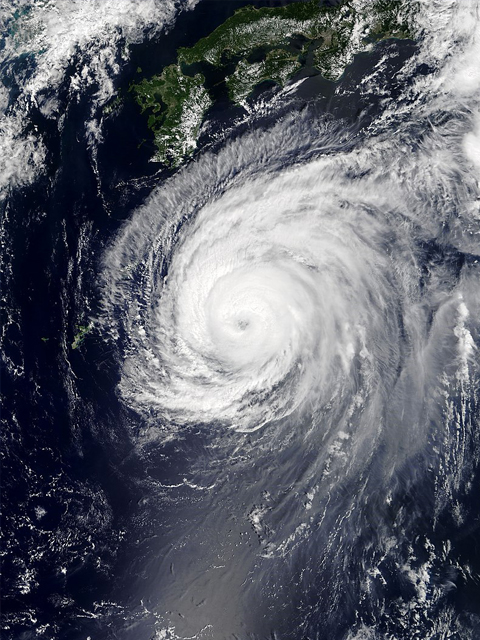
column 82, row 332
column 254, row 46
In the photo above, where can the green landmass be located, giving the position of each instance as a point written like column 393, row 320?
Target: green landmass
column 82, row 332
column 278, row 66
column 254, row 46
column 176, row 104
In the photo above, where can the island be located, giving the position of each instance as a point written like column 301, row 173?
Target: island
column 82, row 332
column 255, row 46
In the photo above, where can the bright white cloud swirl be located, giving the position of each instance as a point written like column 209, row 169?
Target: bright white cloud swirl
column 319, row 286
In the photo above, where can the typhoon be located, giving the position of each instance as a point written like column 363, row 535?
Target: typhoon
column 293, row 319
column 271, row 296
column 307, row 300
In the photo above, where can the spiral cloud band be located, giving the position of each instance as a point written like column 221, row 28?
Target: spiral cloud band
column 307, row 300
column 329, row 304
column 270, row 296
column 247, row 300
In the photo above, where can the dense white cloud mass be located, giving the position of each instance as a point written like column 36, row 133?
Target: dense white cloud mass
column 273, row 293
